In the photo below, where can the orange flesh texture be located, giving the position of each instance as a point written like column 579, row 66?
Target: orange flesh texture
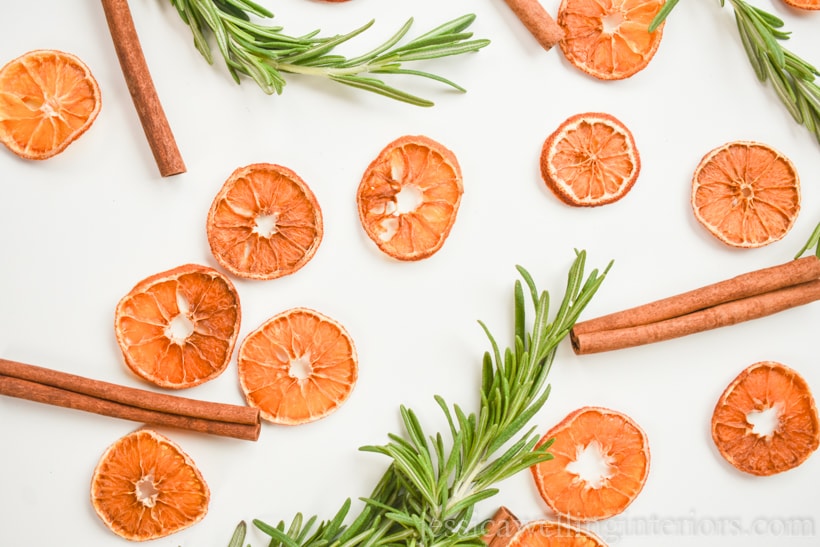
column 145, row 315
column 625, row 446
column 747, row 194
column 760, row 387
column 593, row 161
column 553, row 534
column 47, row 100
column 804, row 4
column 182, row 496
column 271, row 191
column 282, row 395
column 430, row 169
column 609, row 53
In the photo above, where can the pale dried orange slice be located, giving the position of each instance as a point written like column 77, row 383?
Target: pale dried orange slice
column 804, row 4
column 409, row 196
column 609, row 40
column 590, row 160
column 766, row 422
column 746, row 194
column 544, row 533
column 146, row 487
column 297, row 367
column 600, row 464
column 48, row 99
column 264, row 223
column 178, row 328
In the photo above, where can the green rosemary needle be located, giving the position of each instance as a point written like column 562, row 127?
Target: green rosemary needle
column 793, row 79
column 430, row 488
column 812, row 243
column 265, row 53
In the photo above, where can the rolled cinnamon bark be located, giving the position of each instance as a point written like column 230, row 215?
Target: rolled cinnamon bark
column 538, row 21
column 721, row 315
column 501, row 528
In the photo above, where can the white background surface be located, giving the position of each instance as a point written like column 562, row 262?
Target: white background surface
column 79, row 230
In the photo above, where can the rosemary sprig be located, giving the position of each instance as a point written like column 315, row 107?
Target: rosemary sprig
column 429, row 491
column 793, row 79
column 265, row 53
column 812, row 243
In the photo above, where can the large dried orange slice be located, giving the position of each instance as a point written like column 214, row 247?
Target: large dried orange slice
column 264, row 223
column 765, row 422
column 600, row 464
column 544, row 533
column 145, row 487
column 178, row 328
column 746, row 194
column 48, row 99
column 409, row 196
column 804, row 4
column 609, row 40
column 590, row 160
column 297, row 367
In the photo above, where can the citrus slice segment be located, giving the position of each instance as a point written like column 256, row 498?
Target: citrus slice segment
column 600, row 464
column 609, row 40
column 544, row 533
column 146, row 487
column 746, row 194
column 264, row 223
column 766, row 422
column 409, row 196
column 804, row 4
column 297, row 367
column 48, row 99
column 178, row 328
column 590, row 160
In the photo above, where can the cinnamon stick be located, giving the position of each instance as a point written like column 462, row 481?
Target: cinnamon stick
column 141, row 86
column 501, row 528
column 720, row 315
column 538, row 21
column 760, row 281
column 57, row 388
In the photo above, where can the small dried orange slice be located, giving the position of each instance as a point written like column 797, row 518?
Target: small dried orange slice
column 590, row 160
column 766, row 422
column 264, row 223
column 409, row 196
column 48, row 99
column 746, row 194
column 609, row 40
column 145, row 487
column 297, row 367
column 804, row 4
column 178, row 328
column 600, row 464
column 544, row 533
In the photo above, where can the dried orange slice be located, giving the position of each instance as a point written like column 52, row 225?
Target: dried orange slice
column 765, row 422
column 804, row 4
column 178, row 328
column 409, row 196
column 264, row 223
column 48, row 99
column 746, row 194
column 590, row 160
column 297, row 367
column 609, row 40
column 544, row 533
column 145, row 487
column 600, row 464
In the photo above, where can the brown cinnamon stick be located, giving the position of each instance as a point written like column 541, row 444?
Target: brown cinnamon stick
column 501, row 528
column 70, row 391
column 538, row 21
column 141, row 86
column 760, row 281
column 720, row 315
